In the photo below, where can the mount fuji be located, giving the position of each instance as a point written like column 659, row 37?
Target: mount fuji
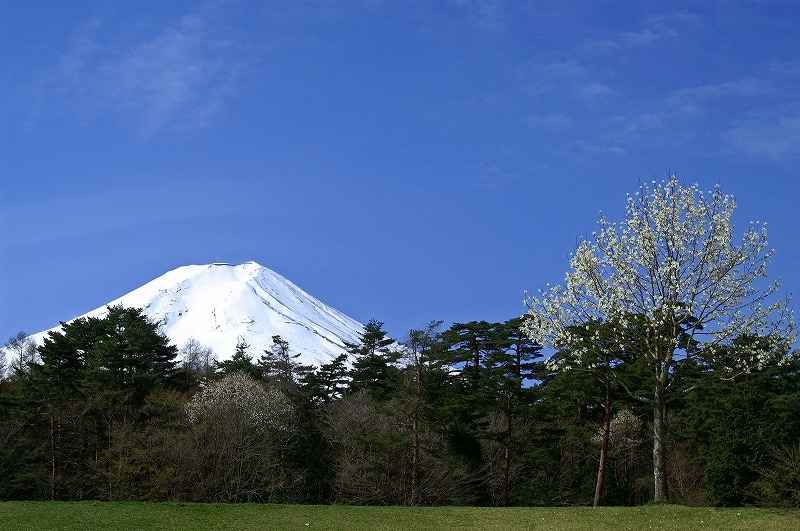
column 221, row 304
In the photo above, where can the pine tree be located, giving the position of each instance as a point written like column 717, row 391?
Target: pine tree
column 279, row 366
column 241, row 361
column 509, row 365
column 328, row 382
column 92, row 379
column 375, row 364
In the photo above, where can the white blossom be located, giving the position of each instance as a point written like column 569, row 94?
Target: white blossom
column 625, row 431
column 267, row 410
column 674, row 262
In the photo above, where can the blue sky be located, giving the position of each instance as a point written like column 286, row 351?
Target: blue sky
column 403, row 161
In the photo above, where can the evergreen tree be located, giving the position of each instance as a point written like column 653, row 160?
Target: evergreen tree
column 375, row 361
column 91, row 380
column 469, row 343
column 129, row 356
column 328, row 382
column 735, row 422
column 279, row 366
column 241, row 361
column 509, row 365
column 419, row 347
column 471, row 398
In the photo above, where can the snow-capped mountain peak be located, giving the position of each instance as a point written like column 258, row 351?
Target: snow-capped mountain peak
column 219, row 304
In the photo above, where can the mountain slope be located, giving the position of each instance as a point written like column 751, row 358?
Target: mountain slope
column 217, row 304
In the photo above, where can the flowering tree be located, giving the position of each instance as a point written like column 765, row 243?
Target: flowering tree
column 241, row 434
column 673, row 272
column 239, row 395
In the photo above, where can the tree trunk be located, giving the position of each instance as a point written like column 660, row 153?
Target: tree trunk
column 415, row 430
column 506, row 473
column 415, row 460
column 659, row 447
column 601, row 468
column 52, row 458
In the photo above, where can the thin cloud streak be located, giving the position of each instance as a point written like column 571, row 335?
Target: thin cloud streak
column 177, row 80
column 549, row 121
column 776, row 138
column 659, row 28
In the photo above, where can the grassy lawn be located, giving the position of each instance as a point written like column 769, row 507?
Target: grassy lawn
column 174, row 516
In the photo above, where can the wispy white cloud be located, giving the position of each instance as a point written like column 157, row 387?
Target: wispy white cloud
column 691, row 99
column 496, row 178
column 744, row 87
column 645, row 37
column 594, row 148
column 108, row 210
column 550, row 121
column 595, row 91
column 627, row 40
column 672, row 18
column 786, row 70
column 485, row 15
column 655, row 118
column 772, row 137
column 499, row 102
column 771, row 129
column 705, row 114
column 656, row 28
column 542, row 77
column 73, row 63
column 178, row 78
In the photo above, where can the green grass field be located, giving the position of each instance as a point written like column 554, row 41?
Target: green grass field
column 174, row 516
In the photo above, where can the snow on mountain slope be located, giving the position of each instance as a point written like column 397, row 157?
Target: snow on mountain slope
column 217, row 304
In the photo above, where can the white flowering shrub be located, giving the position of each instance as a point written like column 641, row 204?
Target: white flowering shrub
column 240, row 442
column 624, row 432
column 241, row 396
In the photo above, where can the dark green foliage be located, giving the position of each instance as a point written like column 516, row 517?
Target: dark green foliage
column 469, row 415
column 241, row 361
column 375, row 361
column 328, row 382
column 736, row 423
column 23, row 451
column 488, row 395
column 92, row 379
column 778, row 483
column 121, row 354
column 279, row 366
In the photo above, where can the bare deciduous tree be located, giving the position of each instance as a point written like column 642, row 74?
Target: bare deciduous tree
column 21, row 350
column 198, row 360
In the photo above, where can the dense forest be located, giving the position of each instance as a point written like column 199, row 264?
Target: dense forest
column 470, row 414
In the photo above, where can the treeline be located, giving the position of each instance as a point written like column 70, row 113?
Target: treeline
column 470, row 414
